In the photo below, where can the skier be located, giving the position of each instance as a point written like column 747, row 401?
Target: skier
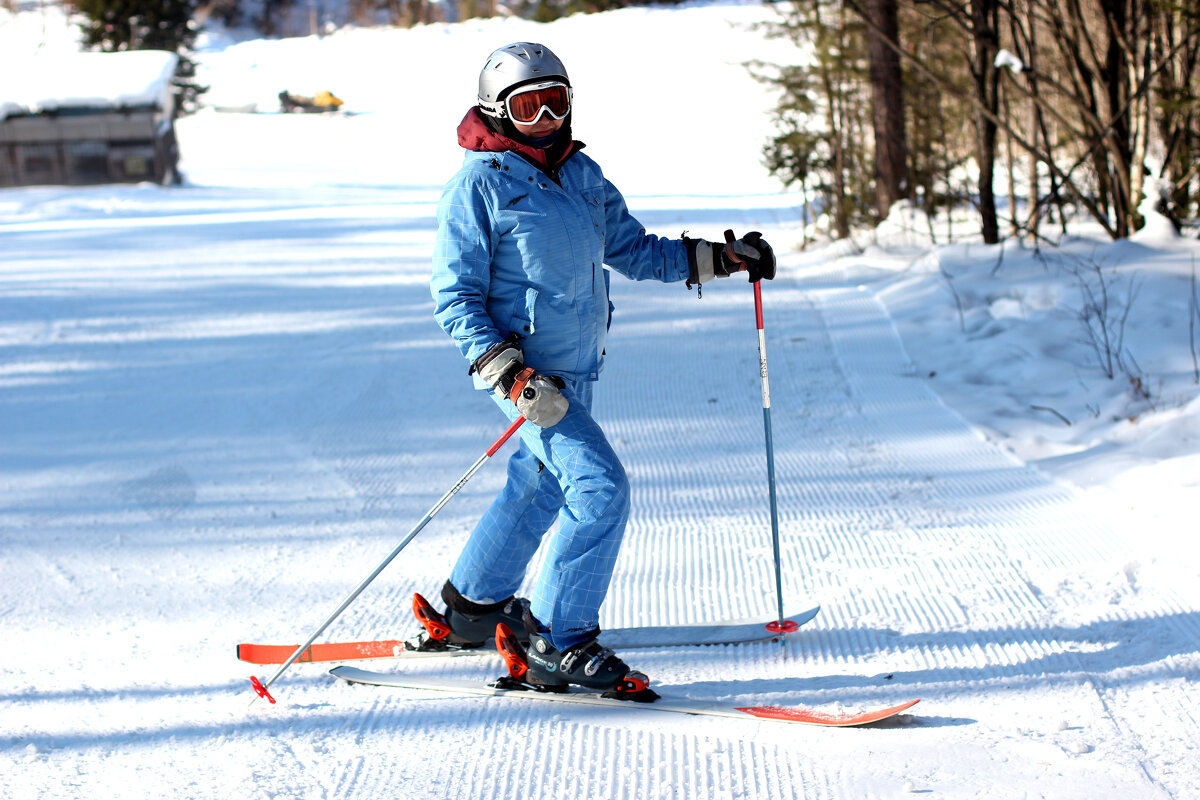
column 524, row 229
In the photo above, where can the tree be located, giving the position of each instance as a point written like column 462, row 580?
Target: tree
column 1175, row 29
column 977, row 22
column 887, row 102
column 1103, row 82
column 985, row 43
column 114, row 25
column 1093, row 94
column 938, row 120
column 823, row 110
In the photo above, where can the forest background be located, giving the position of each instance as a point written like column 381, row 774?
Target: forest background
column 1031, row 112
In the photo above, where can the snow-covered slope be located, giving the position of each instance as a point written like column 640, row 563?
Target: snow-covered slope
column 223, row 403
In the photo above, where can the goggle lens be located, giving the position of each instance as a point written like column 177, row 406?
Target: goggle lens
column 526, row 107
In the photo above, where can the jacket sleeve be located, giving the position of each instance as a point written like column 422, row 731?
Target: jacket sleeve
column 462, row 266
column 634, row 253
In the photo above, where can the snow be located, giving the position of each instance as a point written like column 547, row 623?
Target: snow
column 1007, row 58
column 223, row 403
column 87, row 80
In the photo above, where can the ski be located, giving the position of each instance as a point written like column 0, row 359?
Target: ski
column 705, row 708
column 736, row 631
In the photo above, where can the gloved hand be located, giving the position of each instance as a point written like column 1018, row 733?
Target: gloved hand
column 750, row 253
column 538, row 397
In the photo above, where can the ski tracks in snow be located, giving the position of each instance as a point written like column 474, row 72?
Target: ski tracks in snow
column 940, row 561
column 269, row 467
column 1007, row 580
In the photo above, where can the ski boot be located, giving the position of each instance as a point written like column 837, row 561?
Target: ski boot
column 589, row 665
column 465, row 625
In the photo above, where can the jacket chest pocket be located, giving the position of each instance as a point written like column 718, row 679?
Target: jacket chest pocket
column 594, row 200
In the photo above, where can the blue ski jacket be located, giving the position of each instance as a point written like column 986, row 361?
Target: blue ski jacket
column 522, row 248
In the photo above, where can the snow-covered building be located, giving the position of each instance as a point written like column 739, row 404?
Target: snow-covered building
column 88, row 118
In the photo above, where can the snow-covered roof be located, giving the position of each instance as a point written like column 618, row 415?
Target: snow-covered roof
column 87, row 80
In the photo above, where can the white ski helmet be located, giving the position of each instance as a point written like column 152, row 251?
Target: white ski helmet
column 511, row 66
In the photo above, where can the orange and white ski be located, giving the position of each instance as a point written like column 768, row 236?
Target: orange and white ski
column 666, row 703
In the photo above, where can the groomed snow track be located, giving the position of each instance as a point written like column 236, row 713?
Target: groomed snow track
column 222, row 424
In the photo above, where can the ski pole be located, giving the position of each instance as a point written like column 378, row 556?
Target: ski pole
column 262, row 689
column 782, row 625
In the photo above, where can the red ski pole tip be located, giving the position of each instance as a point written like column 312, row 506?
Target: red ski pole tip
column 259, row 689
column 786, row 626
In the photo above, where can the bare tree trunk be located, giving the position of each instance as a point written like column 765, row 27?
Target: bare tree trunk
column 1010, row 165
column 986, row 77
column 1115, row 88
column 891, row 146
column 836, row 121
column 841, row 204
column 1139, row 112
column 1034, row 219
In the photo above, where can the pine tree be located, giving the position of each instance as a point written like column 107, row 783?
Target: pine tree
column 823, row 112
column 115, row 25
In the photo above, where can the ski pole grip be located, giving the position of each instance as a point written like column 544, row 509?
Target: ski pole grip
column 729, row 240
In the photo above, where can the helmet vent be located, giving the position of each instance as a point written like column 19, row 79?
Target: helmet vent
column 512, row 65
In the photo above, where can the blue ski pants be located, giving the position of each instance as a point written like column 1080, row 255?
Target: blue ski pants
column 569, row 471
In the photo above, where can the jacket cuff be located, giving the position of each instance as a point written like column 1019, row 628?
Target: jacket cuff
column 701, row 265
column 478, row 348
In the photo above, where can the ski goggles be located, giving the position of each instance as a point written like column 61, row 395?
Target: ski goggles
column 526, row 104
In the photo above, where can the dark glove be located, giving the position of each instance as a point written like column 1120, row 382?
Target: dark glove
column 751, row 253
column 538, row 397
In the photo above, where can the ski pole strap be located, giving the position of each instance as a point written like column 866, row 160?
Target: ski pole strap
column 519, row 383
column 732, row 256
